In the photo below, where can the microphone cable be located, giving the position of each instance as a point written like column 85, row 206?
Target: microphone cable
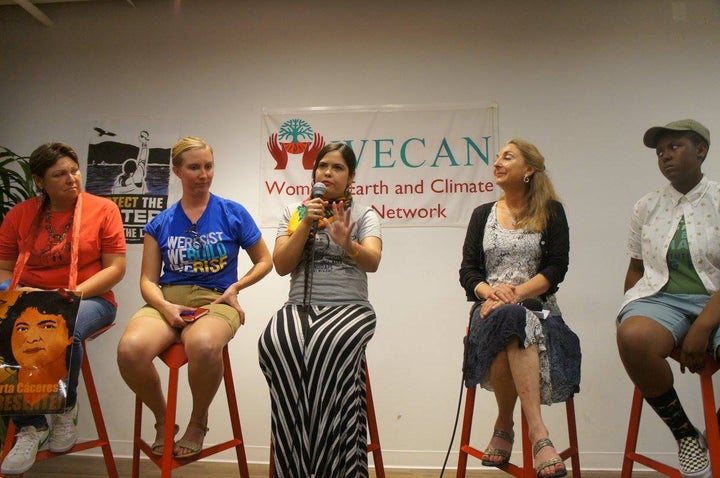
column 457, row 413
column 452, row 438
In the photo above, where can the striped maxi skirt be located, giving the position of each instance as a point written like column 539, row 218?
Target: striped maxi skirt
column 317, row 390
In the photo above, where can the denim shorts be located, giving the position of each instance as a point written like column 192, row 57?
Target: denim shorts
column 194, row 296
column 675, row 312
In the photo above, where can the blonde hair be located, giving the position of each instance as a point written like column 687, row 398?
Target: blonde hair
column 187, row 143
column 540, row 190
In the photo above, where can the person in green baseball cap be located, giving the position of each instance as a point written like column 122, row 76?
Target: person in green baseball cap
column 672, row 282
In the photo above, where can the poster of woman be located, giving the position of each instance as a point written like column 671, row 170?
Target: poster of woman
column 36, row 333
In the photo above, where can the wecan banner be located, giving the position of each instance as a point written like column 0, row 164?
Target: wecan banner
column 417, row 166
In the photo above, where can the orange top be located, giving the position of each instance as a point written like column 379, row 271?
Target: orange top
column 48, row 267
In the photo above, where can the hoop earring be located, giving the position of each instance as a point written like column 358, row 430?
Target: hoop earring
column 526, row 179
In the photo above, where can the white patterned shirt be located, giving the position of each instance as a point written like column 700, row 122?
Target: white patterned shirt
column 653, row 224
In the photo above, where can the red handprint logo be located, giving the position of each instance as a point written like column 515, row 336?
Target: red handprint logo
column 312, row 151
column 277, row 152
column 293, row 137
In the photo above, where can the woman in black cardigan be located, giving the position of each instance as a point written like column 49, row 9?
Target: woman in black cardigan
column 516, row 252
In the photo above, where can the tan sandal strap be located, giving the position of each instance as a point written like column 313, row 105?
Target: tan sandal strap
column 199, row 425
column 503, row 435
column 497, row 452
column 548, row 463
column 540, row 444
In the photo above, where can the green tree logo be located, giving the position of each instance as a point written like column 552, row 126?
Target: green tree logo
column 295, row 136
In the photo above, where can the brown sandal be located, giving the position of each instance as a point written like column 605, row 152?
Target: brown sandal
column 194, row 447
column 157, row 447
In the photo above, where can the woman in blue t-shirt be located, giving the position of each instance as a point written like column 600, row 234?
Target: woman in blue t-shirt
column 190, row 260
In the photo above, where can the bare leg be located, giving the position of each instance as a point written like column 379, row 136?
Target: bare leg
column 644, row 346
column 525, row 367
column 143, row 340
column 204, row 341
column 506, row 398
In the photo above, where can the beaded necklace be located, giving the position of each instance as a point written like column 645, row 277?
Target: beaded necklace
column 56, row 238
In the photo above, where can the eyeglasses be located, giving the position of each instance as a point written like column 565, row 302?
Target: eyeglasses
column 197, row 241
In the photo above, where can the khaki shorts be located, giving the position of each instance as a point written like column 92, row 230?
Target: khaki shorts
column 194, row 296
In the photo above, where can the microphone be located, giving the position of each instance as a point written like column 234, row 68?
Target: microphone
column 532, row 304
column 318, row 191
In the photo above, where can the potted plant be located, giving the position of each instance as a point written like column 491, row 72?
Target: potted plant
column 16, row 180
column 17, row 185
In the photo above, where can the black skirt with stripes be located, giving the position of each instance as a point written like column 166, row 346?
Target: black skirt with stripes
column 315, row 368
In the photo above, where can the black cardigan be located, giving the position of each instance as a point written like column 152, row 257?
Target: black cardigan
column 554, row 244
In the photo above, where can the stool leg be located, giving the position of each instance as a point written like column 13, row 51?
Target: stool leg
column 103, row 439
column 466, row 429
column 711, row 422
column 166, row 464
column 234, row 415
column 632, row 434
column 374, row 445
column 573, row 438
column 136, row 439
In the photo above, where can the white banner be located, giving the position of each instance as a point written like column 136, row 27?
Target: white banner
column 417, row 166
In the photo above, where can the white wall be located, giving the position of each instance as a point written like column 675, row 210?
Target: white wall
column 581, row 79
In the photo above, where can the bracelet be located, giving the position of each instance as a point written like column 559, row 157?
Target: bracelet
column 357, row 252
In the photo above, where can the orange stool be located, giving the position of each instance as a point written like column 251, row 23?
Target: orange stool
column 101, row 441
column 526, row 470
column 374, row 445
column 174, row 357
column 713, row 435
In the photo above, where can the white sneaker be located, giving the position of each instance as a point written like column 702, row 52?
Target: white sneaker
column 22, row 456
column 63, row 430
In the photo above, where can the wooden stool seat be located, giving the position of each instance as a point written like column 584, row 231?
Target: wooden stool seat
column 631, row 456
column 526, row 470
column 174, row 357
column 102, row 441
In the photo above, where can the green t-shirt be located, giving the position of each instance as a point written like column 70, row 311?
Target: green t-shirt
column 683, row 277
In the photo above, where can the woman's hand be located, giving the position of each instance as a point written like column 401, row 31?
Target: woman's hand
column 504, row 294
column 488, row 306
column 341, row 227
column 229, row 297
column 314, row 211
column 694, row 350
column 173, row 314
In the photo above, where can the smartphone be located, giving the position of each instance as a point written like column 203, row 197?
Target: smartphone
column 193, row 315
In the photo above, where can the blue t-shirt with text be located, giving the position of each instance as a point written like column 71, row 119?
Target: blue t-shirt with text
column 204, row 253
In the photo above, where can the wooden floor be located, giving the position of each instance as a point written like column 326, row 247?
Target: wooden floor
column 92, row 467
